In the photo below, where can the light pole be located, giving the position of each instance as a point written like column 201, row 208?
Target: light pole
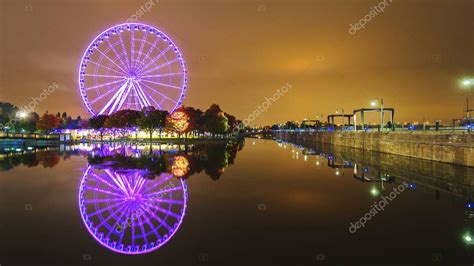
column 374, row 103
column 467, row 83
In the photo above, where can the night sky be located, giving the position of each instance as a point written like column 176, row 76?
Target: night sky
column 239, row 52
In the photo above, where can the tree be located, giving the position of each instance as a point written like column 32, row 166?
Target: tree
column 196, row 119
column 178, row 121
column 47, row 122
column 151, row 119
column 28, row 123
column 232, row 122
column 97, row 122
column 215, row 120
column 7, row 115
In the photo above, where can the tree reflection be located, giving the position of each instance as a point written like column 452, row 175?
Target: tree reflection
column 181, row 162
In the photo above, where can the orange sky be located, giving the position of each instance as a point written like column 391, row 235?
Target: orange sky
column 239, row 52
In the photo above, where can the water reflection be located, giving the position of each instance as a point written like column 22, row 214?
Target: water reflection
column 180, row 160
column 380, row 169
column 128, row 213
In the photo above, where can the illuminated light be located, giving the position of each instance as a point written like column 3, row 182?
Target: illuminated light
column 305, row 157
column 467, row 82
column 375, row 192
column 21, row 114
column 337, row 172
column 30, row 148
column 374, row 103
column 318, row 163
column 412, row 185
column 467, row 238
column 18, row 149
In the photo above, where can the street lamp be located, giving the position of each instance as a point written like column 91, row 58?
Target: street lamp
column 374, row 103
column 21, row 114
column 466, row 84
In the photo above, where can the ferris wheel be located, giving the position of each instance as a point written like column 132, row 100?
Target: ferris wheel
column 131, row 66
column 129, row 214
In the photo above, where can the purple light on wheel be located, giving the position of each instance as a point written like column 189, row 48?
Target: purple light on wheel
column 129, row 214
column 131, row 66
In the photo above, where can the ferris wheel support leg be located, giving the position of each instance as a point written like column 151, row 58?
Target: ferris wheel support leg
column 119, row 92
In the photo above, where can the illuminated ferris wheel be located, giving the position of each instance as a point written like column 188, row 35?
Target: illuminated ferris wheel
column 131, row 66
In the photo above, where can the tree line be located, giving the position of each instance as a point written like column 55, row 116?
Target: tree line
column 184, row 120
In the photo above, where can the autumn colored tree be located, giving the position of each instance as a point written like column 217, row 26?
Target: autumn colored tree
column 47, row 122
column 178, row 121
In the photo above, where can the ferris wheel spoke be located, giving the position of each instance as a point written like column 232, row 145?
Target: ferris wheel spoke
column 160, row 66
column 172, row 201
column 106, row 67
column 143, row 95
column 102, row 191
column 161, row 94
column 141, row 102
column 111, row 215
column 152, row 47
column 124, row 97
column 157, row 183
column 163, row 191
column 163, row 84
column 93, row 201
column 117, row 180
column 162, row 222
column 132, row 45
column 154, row 60
column 167, row 212
column 162, row 75
column 114, row 98
column 118, row 223
column 99, row 211
column 103, row 76
column 103, row 84
column 143, row 41
column 116, row 53
column 147, row 219
column 113, row 62
column 101, row 96
column 124, row 50
column 105, row 182
column 140, row 223
column 152, row 99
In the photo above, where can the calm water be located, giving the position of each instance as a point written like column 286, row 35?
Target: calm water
column 262, row 203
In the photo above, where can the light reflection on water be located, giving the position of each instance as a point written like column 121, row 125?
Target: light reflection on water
column 274, row 202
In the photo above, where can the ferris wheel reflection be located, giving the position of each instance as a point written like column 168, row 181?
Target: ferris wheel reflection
column 128, row 213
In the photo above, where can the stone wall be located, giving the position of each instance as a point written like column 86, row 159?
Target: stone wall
column 454, row 148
